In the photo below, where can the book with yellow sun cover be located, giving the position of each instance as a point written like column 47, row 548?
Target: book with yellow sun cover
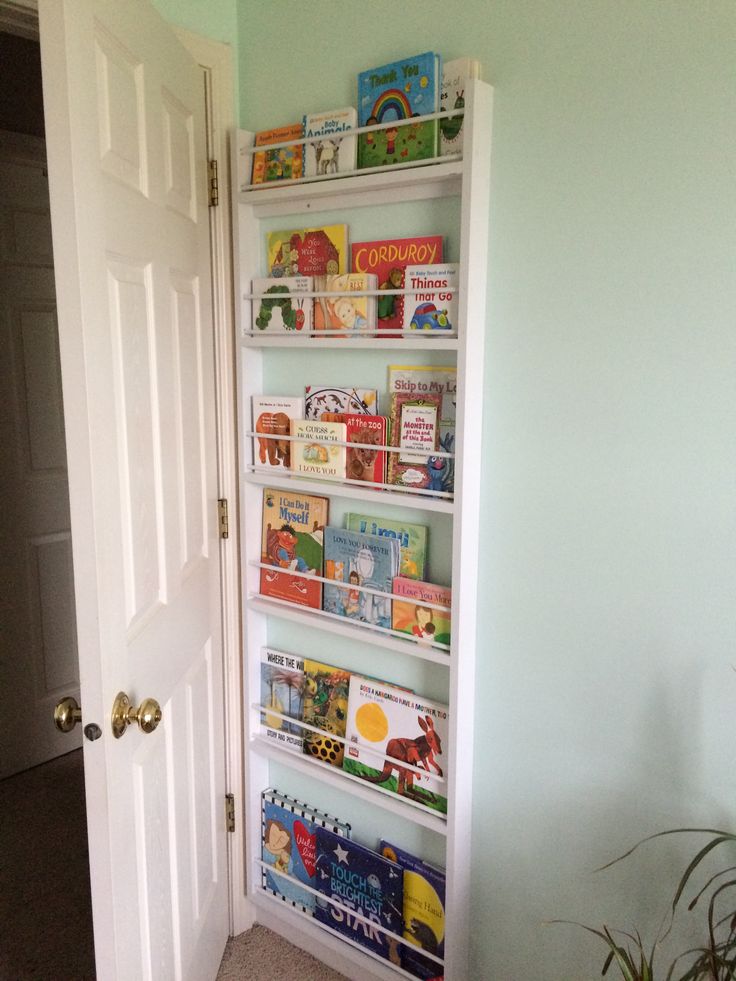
column 391, row 734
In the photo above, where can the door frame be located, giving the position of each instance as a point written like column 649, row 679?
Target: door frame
column 216, row 60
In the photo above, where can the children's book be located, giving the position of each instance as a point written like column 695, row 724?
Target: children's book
column 452, row 96
column 364, row 882
column 351, row 312
column 293, row 533
column 272, row 415
column 388, row 259
column 311, row 452
column 424, row 912
column 412, row 539
column 360, row 560
column 308, row 252
column 415, row 428
column 441, row 379
column 325, row 707
column 334, row 151
column 365, row 462
column 289, row 845
column 286, row 163
column 282, row 691
column 281, row 310
column 435, row 306
column 424, row 623
column 400, row 90
column 328, row 400
column 405, row 727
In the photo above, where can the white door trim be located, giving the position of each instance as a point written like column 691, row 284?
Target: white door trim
column 217, row 61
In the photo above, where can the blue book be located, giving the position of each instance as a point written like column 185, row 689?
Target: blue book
column 289, row 840
column 424, row 912
column 366, row 883
column 399, row 90
column 360, row 559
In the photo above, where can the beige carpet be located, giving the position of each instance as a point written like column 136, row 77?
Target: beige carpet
column 260, row 955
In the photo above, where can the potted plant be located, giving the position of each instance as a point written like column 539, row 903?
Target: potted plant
column 714, row 896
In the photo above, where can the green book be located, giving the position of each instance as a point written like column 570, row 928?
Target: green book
column 412, row 540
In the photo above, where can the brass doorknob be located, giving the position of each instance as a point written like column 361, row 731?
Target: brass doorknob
column 67, row 713
column 147, row 715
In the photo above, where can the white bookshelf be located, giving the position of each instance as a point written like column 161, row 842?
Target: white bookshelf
column 466, row 180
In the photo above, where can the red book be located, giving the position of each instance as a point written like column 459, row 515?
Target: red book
column 388, row 259
column 293, row 540
column 366, row 464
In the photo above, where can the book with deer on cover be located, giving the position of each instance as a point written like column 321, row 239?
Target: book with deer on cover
column 293, row 540
column 385, row 721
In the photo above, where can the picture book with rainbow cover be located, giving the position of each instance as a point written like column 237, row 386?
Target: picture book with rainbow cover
column 366, row 883
column 384, row 721
column 293, row 540
column 411, row 616
column 397, row 91
column 423, row 914
column 282, row 691
column 413, row 540
column 283, row 164
column 388, row 259
column 289, row 846
column 360, row 560
column 325, row 708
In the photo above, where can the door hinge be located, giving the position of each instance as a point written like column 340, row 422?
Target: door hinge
column 223, row 518
column 214, row 187
column 230, row 812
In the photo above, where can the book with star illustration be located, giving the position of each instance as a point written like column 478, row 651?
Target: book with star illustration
column 364, row 882
column 289, row 846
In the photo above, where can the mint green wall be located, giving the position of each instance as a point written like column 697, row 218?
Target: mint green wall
column 216, row 19
column 605, row 682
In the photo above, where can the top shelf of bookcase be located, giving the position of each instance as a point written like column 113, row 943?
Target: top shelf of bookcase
column 418, row 181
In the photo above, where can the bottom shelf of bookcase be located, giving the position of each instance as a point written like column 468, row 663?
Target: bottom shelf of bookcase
column 339, row 778
column 321, row 941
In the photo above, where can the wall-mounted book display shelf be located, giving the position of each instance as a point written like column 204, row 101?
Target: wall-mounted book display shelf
column 258, row 209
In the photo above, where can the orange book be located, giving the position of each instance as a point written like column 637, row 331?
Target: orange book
column 284, row 164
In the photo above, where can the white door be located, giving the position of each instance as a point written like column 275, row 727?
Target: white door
column 38, row 642
column 125, row 135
